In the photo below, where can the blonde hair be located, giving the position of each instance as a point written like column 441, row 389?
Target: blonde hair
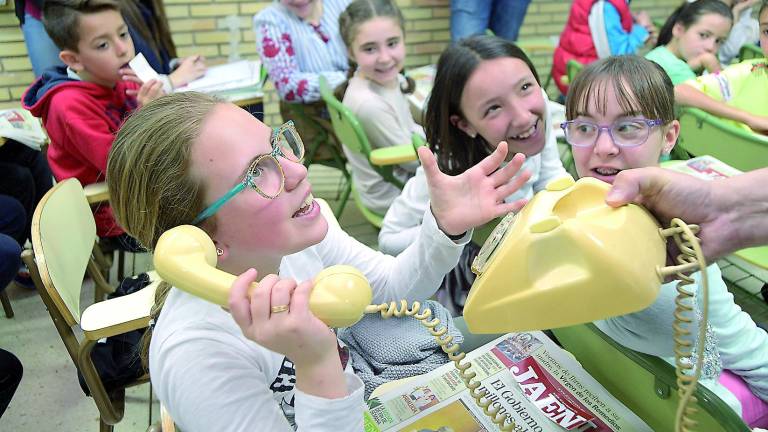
column 148, row 174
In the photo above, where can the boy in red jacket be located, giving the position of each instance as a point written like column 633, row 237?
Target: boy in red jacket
column 84, row 103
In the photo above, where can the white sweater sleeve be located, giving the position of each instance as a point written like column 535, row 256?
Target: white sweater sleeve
column 404, row 217
column 551, row 165
column 237, row 395
column 415, row 274
column 743, row 346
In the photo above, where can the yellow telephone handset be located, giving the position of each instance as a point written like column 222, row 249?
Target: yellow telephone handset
column 185, row 257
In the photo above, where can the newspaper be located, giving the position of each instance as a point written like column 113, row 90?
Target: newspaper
column 538, row 384
column 704, row 167
column 225, row 77
column 20, row 125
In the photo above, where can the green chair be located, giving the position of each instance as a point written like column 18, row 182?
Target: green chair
column 572, row 68
column 750, row 51
column 645, row 384
column 704, row 134
column 350, row 133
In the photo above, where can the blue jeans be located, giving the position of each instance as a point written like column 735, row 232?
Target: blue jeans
column 473, row 17
column 12, row 232
column 43, row 53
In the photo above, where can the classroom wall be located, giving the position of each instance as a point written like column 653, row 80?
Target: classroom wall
column 200, row 26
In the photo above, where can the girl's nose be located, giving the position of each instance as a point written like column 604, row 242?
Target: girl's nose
column 295, row 172
column 604, row 145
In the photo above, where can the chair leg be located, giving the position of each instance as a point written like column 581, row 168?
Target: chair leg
column 103, row 427
column 6, row 304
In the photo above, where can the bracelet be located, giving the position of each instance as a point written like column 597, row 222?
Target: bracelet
column 455, row 237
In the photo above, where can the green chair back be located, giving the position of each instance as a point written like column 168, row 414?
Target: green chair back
column 350, row 133
column 704, row 134
column 750, row 51
column 644, row 383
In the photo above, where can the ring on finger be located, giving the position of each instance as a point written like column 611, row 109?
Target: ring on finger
column 279, row 308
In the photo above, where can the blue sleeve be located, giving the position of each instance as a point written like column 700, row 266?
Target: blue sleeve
column 620, row 41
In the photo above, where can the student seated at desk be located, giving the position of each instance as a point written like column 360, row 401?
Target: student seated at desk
column 275, row 366
column 151, row 36
column 486, row 91
column 738, row 93
column 620, row 116
column 83, row 104
column 373, row 31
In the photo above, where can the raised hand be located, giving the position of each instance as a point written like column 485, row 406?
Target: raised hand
column 476, row 196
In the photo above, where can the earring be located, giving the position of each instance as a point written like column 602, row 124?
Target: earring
column 473, row 135
column 219, row 251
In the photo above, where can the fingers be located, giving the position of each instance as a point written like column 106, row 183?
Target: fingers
column 503, row 175
column 514, row 185
column 626, row 188
column 239, row 300
column 513, row 207
column 428, row 163
column 300, row 300
column 281, row 295
column 492, row 162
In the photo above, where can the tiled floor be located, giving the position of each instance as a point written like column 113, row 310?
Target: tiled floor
column 49, row 398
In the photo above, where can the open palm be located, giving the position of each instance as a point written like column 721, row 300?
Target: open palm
column 476, row 196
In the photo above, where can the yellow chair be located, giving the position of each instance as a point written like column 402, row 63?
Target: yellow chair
column 645, row 384
column 63, row 241
column 349, row 131
column 702, row 133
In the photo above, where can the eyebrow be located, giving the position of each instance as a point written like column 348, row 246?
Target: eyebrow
column 123, row 27
column 622, row 115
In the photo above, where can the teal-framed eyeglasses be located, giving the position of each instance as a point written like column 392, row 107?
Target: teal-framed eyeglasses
column 265, row 174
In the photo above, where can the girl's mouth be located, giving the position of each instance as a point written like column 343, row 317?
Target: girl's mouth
column 528, row 133
column 306, row 207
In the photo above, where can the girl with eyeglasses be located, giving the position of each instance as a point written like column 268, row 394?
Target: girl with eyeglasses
column 620, row 113
column 268, row 363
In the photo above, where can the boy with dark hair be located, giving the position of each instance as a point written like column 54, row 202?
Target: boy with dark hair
column 84, row 103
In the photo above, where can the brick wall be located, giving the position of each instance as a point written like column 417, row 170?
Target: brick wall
column 200, row 26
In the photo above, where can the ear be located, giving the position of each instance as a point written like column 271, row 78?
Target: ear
column 678, row 30
column 222, row 251
column 669, row 139
column 71, row 59
column 463, row 125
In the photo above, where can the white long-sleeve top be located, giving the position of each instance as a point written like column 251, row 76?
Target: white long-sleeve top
column 211, row 378
column 402, row 221
column 743, row 347
column 385, row 116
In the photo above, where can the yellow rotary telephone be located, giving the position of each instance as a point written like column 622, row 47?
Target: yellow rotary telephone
column 566, row 258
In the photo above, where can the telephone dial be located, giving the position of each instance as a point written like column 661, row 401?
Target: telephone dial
column 565, row 258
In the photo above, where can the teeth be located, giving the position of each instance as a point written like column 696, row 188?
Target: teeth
column 526, row 134
column 606, row 171
column 308, row 200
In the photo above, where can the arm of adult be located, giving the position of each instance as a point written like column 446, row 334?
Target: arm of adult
column 690, row 96
column 732, row 212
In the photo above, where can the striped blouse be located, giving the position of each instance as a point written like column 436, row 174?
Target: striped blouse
column 296, row 53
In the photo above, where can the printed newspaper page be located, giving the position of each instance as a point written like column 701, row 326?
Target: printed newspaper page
column 536, row 384
column 20, row 125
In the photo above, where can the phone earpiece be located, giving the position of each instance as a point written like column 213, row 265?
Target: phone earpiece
column 185, row 257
